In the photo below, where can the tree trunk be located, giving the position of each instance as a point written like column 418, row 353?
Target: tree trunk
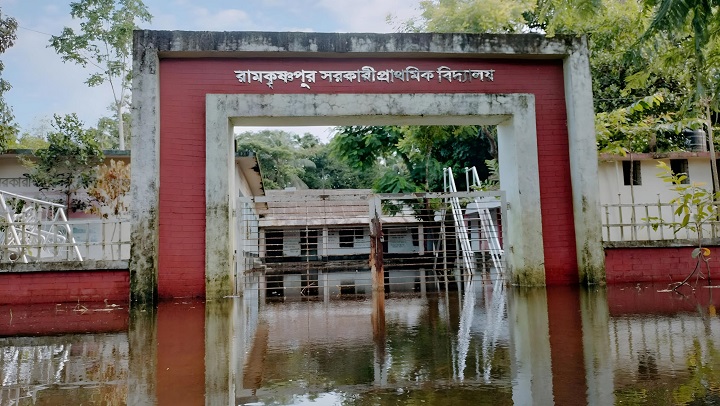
column 121, row 126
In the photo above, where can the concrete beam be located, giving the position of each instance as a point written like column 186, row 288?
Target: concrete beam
column 515, row 114
column 226, row 44
column 149, row 46
column 584, row 166
column 219, row 201
column 145, row 172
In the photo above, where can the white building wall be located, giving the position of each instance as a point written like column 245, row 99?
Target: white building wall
column 645, row 197
column 400, row 241
column 361, row 243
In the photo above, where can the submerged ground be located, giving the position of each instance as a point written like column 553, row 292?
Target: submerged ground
column 489, row 345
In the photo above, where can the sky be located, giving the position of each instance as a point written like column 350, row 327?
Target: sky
column 43, row 85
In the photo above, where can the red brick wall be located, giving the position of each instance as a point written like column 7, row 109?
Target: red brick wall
column 662, row 265
column 185, row 82
column 64, row 286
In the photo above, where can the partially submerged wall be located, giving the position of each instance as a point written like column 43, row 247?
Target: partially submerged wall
column 182, row 244
column 625, row 264
column 62, row 283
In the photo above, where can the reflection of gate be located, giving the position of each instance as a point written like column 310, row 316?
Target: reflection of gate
column 301, row 238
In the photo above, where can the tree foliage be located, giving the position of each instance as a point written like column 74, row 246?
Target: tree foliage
column 107, row 133
column 105, row 42
column 302, row 161
column 35, row 138
column 499, row 16
column 644, row 126
column 68, row 163
column 8, row 128
column 411, row 158
column 696, row 208
column 660, row 65
column 330, row 172
column 276, row 151
column 694, row 25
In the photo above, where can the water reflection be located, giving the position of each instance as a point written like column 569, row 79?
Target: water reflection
column 490, row 345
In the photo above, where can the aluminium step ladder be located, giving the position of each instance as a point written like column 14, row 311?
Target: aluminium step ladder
column 468, row 256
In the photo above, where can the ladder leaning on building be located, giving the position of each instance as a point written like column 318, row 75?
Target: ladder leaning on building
column 481, row 206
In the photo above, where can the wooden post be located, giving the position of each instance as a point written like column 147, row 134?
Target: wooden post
column 378, row 275
column 376, row 246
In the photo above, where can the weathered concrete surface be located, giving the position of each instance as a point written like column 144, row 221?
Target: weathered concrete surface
column 145, row 173
column 220, row 214
column 583, row 165
column 208, row 43
column 65, row 266
column 519, row 177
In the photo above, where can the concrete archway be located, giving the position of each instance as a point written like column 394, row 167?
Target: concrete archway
column 189, row 90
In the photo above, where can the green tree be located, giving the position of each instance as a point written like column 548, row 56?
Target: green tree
column 492, row 16
column 277, row 153
column 107, row 134
column 411, row 158
column 68, row 163
column 330, row 172
column 29, row 141
column 105, row 42
column 611, row 26
column 36, row 138
column 644, row 126
column 692, row 26
column 501, row 16
column 8, row 128
column 696, row 208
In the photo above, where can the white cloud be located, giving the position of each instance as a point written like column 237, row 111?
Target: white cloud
column 370, row 15
column 223, row 20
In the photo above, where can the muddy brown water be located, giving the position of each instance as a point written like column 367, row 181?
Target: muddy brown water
column 489, row 346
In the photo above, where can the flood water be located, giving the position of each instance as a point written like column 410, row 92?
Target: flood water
column 490, row 346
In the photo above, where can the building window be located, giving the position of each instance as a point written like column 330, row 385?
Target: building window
column 347, row 237
column 631, row 173
column 309, row 243
column 680, row 166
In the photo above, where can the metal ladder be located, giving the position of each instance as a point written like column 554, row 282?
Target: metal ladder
column 468, row 256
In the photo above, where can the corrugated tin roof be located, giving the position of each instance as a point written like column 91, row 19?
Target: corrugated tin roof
column 300, row 208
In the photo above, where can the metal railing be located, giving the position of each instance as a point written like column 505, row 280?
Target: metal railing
column 33, row 230
column 315, row 243
column 648, row 222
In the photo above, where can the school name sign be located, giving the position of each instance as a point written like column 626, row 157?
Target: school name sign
column 366, row 74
